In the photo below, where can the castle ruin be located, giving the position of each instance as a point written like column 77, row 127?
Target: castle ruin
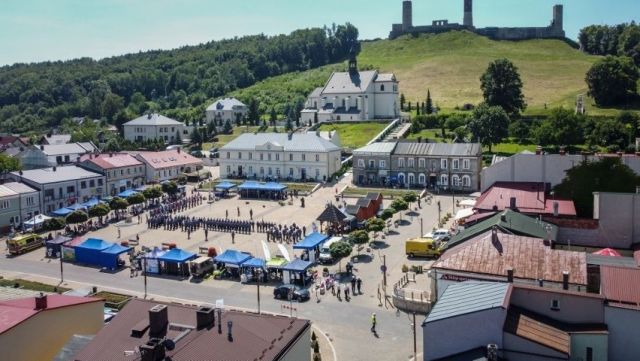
column 553, row 31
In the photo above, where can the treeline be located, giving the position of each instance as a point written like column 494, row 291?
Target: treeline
column 617, row 40
column 34, row 97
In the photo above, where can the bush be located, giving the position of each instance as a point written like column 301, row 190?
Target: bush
column 399, row 205
column 358, row 237
column 375, row 225
column 340, row 250
column 405, row 268
column 76, row 217
column 313, row 334
column 387, row 213
column 53, row 224
column 316, row 348
column 317, row 357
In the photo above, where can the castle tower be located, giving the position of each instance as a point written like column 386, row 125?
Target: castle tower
column 407, row 15
column 468, row 13
column 558, row 17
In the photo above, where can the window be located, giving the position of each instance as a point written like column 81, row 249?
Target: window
column 455, row 164
column 70, row 189
column 291, row 157
column 361, row 163
column 228, row 155
column 411, row 163
column 239, row 155
column 466, row 181
column 261, row 156
column 4, row 205
column 443, row 163
column 383, row 164
column 128, row 170
column 262, row 170
column 455, row 180
column 317, row 173
column 589, row 354
column 444, row 180
column 372, row 163
column 422, row 180
column 421, row 163
column 304, row 157
column 250, row 168
column 466, row 164
column 400, row 162
column 382, row 87
column 30, row 201
column 291, row 172
column 268, row 156
column 278, row 172
column 411, row 178
column 555, row 305
column 250, row 155
column 270, row 171
column 121, row 171
column 228, row 169
column 277, row 156
column 92, row 183
column 83, row 185
column 99, row 182
column 317, row 157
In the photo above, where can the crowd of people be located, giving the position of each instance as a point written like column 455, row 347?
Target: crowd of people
column 285, row 233
column 176, row 206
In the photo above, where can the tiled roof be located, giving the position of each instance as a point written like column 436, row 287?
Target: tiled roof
column 61, row 174
column 620, row 285
column 255, row 337
column 298, row 142
column 110, row 161
column 316, row 92
column 344, row 82
column 529, row 258
column 469, row 297
column 153, row 119
column 166, row 159
column 17, row 311
column 530, row 198
column 439, row 149
column 383, row 147
column 226, row 104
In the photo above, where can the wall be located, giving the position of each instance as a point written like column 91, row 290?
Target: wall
column 458, row 334
column 377, row 173
column 472, row 172
column 598, row 342
column 573, row 308
column 619, row 218
column 11, row 214
column 300, row 350
column 386, row 102
column 528, row 351
column 624, row 333
column 42, row 336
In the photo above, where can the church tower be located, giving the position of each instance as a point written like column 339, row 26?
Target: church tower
column 353, row 64
column 468, row 13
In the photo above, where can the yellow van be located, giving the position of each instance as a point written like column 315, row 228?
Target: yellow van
column 24, row 243
column 423, row 247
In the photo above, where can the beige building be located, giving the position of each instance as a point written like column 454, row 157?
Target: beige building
column 36, row 328
column 153, row 126
column 122, row 171
column 168, row 165
column 227, row 109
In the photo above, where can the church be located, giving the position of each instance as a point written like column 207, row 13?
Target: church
column 352, row 96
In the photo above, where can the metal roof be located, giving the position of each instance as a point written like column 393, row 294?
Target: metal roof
column 15, row 188
column 383, row 147
column 385, row 77
column 64, row 149
column 56, row 138
column 298, row 142
column 538, row 329
column 469, row 297
column 344, row 82
column 226, row 104
column 168, row 158
column 600, row 260
column 530, row 198
column 61, row 174
column 620, row 285
column 110, row 161
column 439, row 149
column 153, row 119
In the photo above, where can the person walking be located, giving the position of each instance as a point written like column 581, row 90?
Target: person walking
column 346, row 293
column 251, row 214
column 353, row 285
column 359, row 283
column 238, row 212
column 233, row 237
column 226, row 212
column 206, row 235
column 338, row 290
column 373, row 322
column 118, row 233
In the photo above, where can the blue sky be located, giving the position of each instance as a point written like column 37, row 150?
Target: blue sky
column 37, row 30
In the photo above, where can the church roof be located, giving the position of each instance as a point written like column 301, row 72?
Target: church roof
column 345, row 83
column 386, row 77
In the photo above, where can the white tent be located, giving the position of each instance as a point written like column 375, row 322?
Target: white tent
column 37, row 220
column 467, row 203
column 475, row 194
column 464, row 213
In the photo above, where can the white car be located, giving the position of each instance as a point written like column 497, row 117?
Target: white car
column 438, row 234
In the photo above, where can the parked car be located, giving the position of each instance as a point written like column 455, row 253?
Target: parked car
column 423, row 247
column 438, row 234
column 201, row 267
column 289, row 291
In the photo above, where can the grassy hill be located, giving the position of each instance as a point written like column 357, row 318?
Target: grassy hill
column 450, row 65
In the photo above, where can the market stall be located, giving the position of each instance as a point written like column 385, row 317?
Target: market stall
column 62, row 212
column 311, row 245
column 151, row 260
column 54, row 246
column 231, row 260
column 92, row 202
column 127, row 193
column 295, row 272
column 271, row 190
column 98, row 252
column 222, row 189
column 252, row 268
column 175, row 262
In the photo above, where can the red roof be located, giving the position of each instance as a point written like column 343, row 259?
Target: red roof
column 620, row 285
column 14, row 312
column 530, row 198
column 109, row 161
column 169, row 158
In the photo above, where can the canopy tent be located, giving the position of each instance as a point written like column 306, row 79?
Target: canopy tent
column 464, row 213
column 225, row 186
column 116, row 249
column 608, row 252
column 174, row 262
column 261, row 190
column 232, row 257
column 151, row 259
column 467, row 203
column 297, row 267
column 62, row 211
column 475, row 194
column 254, row 263
column 99, row 252
column 37, row 220
column 127, row 193
column 142, row 188
column 91, row 202
column 54, row 246
column 277, row 262
column 77, row 207
column 311, row 241
column 69, row 249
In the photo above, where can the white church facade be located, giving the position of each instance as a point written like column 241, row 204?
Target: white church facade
column 353, row 96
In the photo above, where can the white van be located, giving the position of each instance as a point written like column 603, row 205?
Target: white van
column 325, row 252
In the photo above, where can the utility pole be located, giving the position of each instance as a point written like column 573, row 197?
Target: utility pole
column 384, row 270
column 415, row 347
column 258, row 275
column 421, row 230
column 144, row 272
column 61, row 270
column 439, row 210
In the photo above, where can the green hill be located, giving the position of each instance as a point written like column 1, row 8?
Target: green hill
column 450, row 65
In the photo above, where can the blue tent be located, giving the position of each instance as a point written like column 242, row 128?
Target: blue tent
column 297, row 265
column 225, row 186
column 312, row 241
column 77, row 207
column 126, row 194
column 177, row 255
column 272, row 186
column 254, row 263
column 116, row 249
column 91, row 202
column 250, row 185
column 92, row 252
column 62, row 211
column 232, row 257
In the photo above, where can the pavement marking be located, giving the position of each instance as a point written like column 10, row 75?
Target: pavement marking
column 333, row 350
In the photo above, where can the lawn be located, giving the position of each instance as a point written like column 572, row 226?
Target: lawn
column 32, row 285
column 113, row 300
column 386, row 192
column 430, row 134
column 355, row 135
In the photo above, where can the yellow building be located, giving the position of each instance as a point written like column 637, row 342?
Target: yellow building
column 36, row 328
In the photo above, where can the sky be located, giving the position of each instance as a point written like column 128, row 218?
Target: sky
column 39, row 30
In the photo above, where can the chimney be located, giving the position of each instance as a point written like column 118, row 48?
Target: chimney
column 158, row 320
column 556, row 207
column 153, row 350
column 565, row 280
column 512, row 203
column 503, row 216
column 41, row 301
column 563, row 150
column 230, row 330
column 205, row 317
column 510, row 275
column 539, row 150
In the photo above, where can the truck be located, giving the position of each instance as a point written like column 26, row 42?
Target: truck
column 24, row 243
column 201, row 266
column 423, row 247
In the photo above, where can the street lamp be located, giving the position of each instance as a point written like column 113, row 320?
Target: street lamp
column 258, row 275
column 61, row 270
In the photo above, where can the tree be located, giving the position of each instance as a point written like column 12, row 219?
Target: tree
column 609, row 132
column 152, row 192
column 358, row 237
column 76, row 217
column 402, row 101
column 429, row 107
column 196, row 137
column 399, row 205
column 254, row 112
column 519, row 130
column 136, row 198
column 315, row 117
column 606, row 175
column 410, row 197
column 111, row 105
column 489, row 125
column 273, row 118
column 9, row 164
column 501, row 86
column 387, row 213
column 375, row 225
column 99, row 210
column 340, row 250
column 118, row 203
column 418, row 109
column 178, row 138
column 228, row 128
column 53, row 224
column 289, row 126
column 562, row 127
column 613, row 81
column 170, row 187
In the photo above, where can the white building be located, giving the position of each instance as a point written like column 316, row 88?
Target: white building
column 354, row 95
column 18, row 203
column 62, row 186
column 122, row 171
column 168, row 165
column 153, row 126
column 227, row 109
column 280, row 156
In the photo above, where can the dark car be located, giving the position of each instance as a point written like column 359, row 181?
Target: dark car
column 294, row 292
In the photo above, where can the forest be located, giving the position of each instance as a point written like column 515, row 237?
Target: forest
column 617, row 40
column 179, row 82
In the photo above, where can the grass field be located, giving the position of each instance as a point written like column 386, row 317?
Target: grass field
column 430, row 134
column 31, row 285
column 355, row 135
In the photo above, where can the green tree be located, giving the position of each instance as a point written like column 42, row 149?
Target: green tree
column 606, row 175
column 501, row 86
column 76, row 217
column 399, row 205
column 607, row 132
column 402, row 101
column 8, row 164
column 429, row 105
column 152, row 192
column 273, row 118
column 289, row 126
column 53, row 224
column 118, row 203
column 387, row 213
column 111, row 105
column 375, row 225
column 228, row 128
column 562, row 127
column 254, row 111
column 519, row 130
column 613, row 81
column 410, row 197
column 489, row 125
column 136, row 198
column 340, row 250
column 170, row 187
column 178, row 139
column 99, row 210
column 315, row 118
column 196, row 137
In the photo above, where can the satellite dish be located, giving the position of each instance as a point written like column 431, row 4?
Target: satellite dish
column 169, row 344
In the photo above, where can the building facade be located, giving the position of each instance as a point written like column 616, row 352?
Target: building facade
column 353, row 96
column 62, row 186
column 167, row 165
column 226, row 109
column 122, row 171
column 18, row 203
column 62, row 154
column 153, row 126
column 280, row 156
column 372, row 164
